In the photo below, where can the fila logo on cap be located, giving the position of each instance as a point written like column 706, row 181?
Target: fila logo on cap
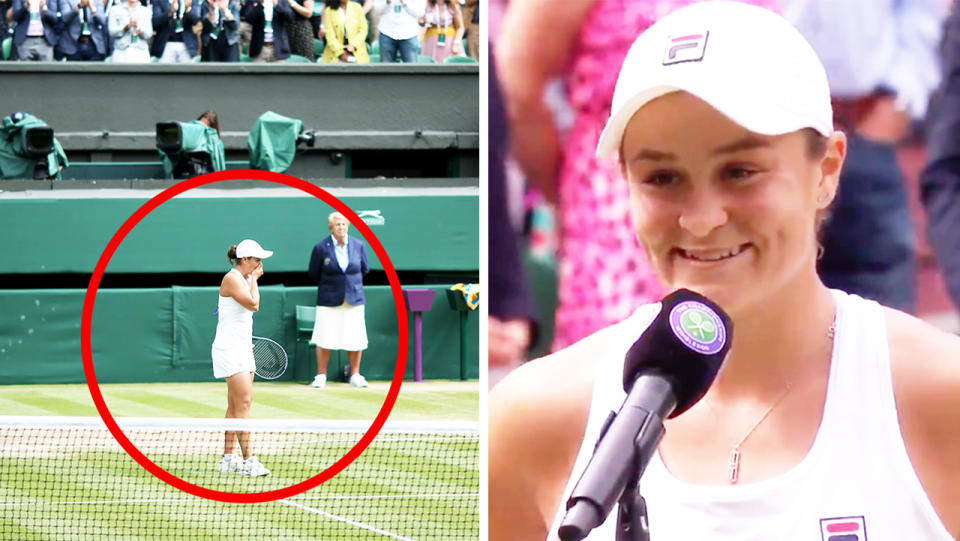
column 844, row 529
column 685, row 48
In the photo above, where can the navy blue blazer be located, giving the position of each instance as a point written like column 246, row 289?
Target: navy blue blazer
column 164, row 25
column 229, row 28
column 72, row 28
column 252, row 12
column 49, row 18
column 334, row 285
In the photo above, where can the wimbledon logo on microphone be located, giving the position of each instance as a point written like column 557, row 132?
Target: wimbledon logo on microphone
column 698, row 327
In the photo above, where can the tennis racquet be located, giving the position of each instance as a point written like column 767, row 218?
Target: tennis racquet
column 269, row 357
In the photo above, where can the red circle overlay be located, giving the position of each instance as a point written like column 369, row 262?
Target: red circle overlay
column 371, row 433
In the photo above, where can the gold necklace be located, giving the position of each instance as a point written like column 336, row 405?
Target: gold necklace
column 733, row 466
column 733, row 463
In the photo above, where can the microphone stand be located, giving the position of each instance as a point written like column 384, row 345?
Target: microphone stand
column 632, row 521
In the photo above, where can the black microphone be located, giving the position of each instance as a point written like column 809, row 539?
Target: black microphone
column 666, row 371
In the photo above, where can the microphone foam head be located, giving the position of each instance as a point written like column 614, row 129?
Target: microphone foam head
column 686, row 343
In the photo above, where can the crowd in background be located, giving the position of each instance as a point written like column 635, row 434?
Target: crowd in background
column 884, row 60
column 171, row 31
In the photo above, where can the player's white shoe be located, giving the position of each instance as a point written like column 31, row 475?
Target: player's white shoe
column 253, row 468
column 319, row 382
column 357, row 380
column 230, row 464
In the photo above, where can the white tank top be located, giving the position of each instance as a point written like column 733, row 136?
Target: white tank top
column 234, row 323
column 855, row 484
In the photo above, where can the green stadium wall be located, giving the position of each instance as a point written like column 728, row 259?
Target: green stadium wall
column 164, row 335
column 421, row 230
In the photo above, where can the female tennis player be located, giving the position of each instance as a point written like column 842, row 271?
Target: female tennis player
column 832, row 416
column 232, row 349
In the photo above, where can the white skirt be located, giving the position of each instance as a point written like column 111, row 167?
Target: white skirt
column 230, row 361
column 340, row 327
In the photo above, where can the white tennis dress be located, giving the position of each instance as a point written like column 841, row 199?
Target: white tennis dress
column 232, row 350
column 855, row 484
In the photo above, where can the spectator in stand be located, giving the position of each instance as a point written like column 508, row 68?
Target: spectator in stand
column 345, row 30
column 470, row 10
column 85, row 30
column 131, row 26
column 300, row 31
column 221, row 22
column 173, row 40
column 940, row 180
column 444, row 30
column 880, row 57
column 6, row 10
column 397, row 24
column 34, row 35
column 268, row 33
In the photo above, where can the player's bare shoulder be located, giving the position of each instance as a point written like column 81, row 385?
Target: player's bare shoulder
column 537, row 418
column 925, row 361
column 925, row 367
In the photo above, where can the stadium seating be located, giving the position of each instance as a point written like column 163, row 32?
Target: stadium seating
column 423, row 59
column 297, row 59
column 306, row 316
column 318, row 45
column 459, row 60
column 5, row 47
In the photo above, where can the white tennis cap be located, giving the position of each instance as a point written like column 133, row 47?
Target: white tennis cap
column 745, row 61
column 251, row 248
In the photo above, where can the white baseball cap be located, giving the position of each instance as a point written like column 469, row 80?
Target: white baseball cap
column 251, row 248
column 745, row 61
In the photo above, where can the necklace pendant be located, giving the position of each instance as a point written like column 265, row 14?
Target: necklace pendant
column 733, row 466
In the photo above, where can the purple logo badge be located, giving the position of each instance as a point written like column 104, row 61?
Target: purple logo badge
column 698, row 327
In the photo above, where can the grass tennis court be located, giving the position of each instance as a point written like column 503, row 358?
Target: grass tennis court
column 403, row 487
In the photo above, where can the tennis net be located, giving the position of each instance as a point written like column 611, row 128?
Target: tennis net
column 68, row 478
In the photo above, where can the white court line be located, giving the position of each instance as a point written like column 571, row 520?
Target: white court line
column 346, row 520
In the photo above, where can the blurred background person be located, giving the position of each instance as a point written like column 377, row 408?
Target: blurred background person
column 131, row 28
column 881, row 60
column 603, row 274
column 221, row 37
column 337, row 265
column 443, row 32
column 399, row 29
column 470, row 9
column 84, row 36
column 345, row 32
column 173, row 39
column 940, row 180
column 510, row 323
column 300, row 31
column 268, row 32
column 34, row 33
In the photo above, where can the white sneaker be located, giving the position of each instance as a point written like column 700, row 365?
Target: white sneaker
column 319, row 382
column 357, row 380
column 253, row 468
column 230, row 464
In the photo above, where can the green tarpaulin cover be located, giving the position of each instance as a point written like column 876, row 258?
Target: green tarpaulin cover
column 273, row 142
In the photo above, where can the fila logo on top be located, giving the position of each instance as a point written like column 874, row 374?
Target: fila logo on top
column 844, row 529
column 685, row 48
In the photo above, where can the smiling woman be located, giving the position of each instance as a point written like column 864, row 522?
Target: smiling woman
column 827, row 405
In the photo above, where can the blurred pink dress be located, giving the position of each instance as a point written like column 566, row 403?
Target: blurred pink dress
column 603, row 273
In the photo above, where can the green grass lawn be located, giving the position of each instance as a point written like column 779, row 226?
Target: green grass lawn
column 80, row 485
column 426, row 400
